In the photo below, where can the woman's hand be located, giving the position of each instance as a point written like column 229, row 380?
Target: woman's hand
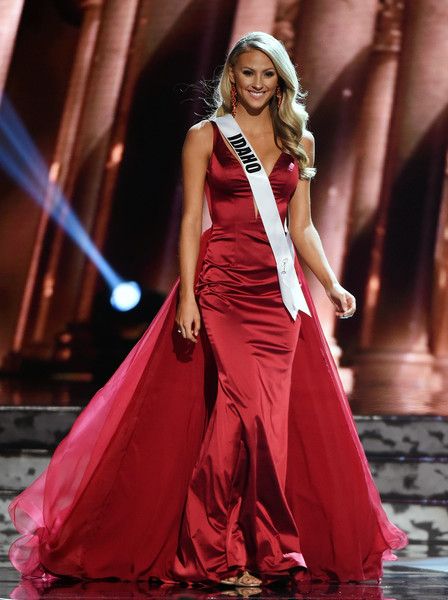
column 188, row 319
column 344, row 301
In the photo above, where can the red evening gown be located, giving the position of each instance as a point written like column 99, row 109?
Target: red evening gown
column 239, row 450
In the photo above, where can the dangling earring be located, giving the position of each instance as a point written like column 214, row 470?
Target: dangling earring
column 279, row 94
column 233, row 94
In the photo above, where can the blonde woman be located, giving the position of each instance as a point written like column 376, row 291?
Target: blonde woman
column 223, row 450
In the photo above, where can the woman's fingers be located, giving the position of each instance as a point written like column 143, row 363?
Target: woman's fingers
column 190, row 331
column 348, row 307
column 345, row 304
column 188, row 320
column 196, row 325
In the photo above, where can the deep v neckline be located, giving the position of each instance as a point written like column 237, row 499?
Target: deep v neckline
column 233, row 155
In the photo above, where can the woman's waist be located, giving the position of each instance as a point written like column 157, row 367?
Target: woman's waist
column 232, row 226
column 243, row 233
column 243, row 249
column 238, row 279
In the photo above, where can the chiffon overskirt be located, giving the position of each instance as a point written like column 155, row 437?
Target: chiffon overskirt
column 110, row 502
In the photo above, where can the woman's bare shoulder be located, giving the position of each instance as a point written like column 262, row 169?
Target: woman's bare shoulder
column 200, row 136
column 308, row 142
column 307, row 139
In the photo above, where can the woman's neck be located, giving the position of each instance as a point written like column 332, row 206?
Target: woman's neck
column 255, row 123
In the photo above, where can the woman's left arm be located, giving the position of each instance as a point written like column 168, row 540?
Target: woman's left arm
column 307, row 241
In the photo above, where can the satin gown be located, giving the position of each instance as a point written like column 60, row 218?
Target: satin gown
column 237, row 451
column 236, row 512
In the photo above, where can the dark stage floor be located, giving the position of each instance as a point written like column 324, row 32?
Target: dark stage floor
column 407, row 578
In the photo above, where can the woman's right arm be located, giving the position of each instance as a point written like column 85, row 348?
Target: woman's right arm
column 196, row 153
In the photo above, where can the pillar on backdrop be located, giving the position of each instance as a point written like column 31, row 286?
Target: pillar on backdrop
column 394, row 365
column 375, row 117
column 439, row 309
column 10, row 13
column 284, row 26
column 152, row 25
column 90, row 152
column 61, row 164
column 332, row 48
column 252, row 15
column 371, row 149
column 115, row 153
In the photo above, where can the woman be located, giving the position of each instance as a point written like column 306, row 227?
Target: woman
column 223, row 449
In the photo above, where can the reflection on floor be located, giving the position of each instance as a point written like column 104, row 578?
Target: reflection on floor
column 408, row 578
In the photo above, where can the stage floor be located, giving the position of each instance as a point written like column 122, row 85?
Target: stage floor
column 407, row 578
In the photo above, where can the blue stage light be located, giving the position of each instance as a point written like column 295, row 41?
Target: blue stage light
column 23, row 162
column 126, row 295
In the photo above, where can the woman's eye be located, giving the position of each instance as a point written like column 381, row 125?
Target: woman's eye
column 268, row 74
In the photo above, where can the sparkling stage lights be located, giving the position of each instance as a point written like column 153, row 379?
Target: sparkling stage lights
column 125, row 295
column 22, row 161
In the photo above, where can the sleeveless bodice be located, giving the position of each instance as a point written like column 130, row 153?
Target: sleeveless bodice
column 238, row 251
column 228, row 190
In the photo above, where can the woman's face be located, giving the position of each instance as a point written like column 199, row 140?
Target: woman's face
column 255, row 78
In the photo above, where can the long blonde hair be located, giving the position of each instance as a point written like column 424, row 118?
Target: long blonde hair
column 290, row 121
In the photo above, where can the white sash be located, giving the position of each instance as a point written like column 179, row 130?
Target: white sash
column 281, row 244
